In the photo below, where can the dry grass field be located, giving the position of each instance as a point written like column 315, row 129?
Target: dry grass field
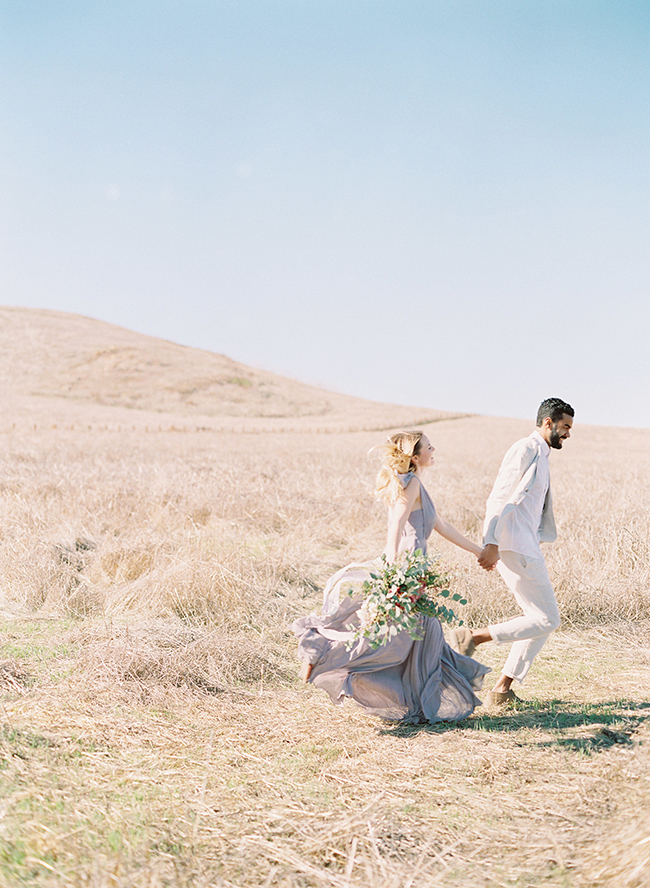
column 153, row 553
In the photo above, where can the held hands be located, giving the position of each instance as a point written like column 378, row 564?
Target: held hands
column 489, row 556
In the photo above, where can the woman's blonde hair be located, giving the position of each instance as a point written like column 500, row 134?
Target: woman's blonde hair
column 397, row 459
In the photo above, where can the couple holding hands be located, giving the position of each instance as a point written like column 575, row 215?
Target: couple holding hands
column 429, row 679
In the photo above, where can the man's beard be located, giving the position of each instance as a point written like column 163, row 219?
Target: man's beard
column 554, row 439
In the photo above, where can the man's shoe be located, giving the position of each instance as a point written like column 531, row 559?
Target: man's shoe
column 502, row 698
column 461, row 641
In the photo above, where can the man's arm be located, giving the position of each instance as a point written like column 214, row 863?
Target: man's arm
column 515, row 464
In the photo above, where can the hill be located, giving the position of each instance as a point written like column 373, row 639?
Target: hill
column 73, row 360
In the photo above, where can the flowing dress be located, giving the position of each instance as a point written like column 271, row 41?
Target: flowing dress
column 406, row 680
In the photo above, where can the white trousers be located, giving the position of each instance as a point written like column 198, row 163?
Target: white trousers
column 528, row 580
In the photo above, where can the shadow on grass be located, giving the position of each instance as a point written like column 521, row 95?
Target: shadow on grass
column 583, row 727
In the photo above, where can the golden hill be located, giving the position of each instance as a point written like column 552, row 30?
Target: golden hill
column 56, row 355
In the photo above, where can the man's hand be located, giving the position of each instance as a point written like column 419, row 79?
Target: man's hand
column 489, row 556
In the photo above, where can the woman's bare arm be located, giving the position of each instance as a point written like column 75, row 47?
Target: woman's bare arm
column 449, row 532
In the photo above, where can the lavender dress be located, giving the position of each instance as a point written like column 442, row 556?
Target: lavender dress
column 404, row 680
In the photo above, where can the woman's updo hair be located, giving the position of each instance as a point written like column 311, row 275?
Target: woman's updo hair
column 397, row 459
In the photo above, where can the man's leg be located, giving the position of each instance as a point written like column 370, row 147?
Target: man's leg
column 528, row 580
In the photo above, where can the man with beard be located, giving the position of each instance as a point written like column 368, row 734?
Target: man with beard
column 518, row 517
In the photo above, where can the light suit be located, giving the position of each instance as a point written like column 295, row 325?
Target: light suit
column 518, row 489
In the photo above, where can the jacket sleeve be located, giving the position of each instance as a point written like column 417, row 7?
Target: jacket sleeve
column 517, row 461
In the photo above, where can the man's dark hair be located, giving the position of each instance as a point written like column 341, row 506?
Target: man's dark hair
column 555, row 408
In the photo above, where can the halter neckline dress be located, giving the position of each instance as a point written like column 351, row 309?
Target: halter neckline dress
column 405, row 680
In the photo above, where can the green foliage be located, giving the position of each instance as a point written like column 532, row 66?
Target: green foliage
column 398, row 595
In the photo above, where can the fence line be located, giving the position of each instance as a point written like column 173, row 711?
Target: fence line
column 225, row 430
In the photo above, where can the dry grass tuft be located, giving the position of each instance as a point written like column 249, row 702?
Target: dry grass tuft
column 13, row 677
column 171, row 654
column 622, row 861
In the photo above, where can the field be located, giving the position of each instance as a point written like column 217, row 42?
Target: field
column 153, row 729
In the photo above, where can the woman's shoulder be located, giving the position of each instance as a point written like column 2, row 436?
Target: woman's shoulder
column 406, row 478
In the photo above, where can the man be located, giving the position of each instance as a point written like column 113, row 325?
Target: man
column 518, row 517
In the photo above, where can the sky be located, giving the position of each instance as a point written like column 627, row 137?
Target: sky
column 442, row 203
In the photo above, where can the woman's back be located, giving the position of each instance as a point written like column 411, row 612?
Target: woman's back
column 419, row 523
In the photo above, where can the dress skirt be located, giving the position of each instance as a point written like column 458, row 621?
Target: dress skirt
column 405, row 680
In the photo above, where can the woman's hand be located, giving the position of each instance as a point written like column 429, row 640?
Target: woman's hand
column 488, row 556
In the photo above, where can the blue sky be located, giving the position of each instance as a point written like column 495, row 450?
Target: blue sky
column 436, row 203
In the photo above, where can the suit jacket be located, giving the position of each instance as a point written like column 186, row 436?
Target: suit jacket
column 516, row 475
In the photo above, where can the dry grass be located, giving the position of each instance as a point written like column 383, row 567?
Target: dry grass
column 211, row 527
column 153, row 729
column 121, row 780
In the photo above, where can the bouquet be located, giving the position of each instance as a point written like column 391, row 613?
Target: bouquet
column 397, row 594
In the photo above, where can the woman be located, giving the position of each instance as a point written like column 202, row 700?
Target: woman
column 406, row 679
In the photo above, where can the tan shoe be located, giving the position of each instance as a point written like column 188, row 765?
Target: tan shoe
column 502, row 698
column 461, row 641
